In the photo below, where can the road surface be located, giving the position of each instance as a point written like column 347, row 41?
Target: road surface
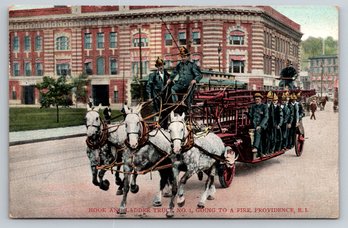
column 52, row 180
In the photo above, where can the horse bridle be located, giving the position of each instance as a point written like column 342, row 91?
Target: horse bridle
column 93, row 125
column 139, row 133
column 183, row 139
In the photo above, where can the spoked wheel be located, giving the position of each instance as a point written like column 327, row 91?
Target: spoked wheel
column 299, row 143
column 226, row 174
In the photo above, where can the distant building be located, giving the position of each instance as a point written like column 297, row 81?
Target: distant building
column 323, row 73
column 304, row 80
column 252, row 43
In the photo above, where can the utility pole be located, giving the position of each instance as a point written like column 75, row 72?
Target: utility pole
column 321, row 79
column 219, row 51
column 124, row 89
column 188, row 37
column 141, row 68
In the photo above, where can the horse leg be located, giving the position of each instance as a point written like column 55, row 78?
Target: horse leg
column 165, row 186
column 103, row 184
column 118, row 182
column 175, row 169
column 209, row 190
column 181, row 198
column 94, row 176
column 134, row 188
column 123, row 205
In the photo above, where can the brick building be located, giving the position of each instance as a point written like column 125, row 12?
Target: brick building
column 252, row 43
column 323, row 73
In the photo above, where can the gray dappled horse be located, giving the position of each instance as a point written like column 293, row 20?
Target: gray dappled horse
column 145, row 149
column 195, row 160
column 102, row 147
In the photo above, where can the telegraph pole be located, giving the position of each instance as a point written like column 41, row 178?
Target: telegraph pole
column 141, row 68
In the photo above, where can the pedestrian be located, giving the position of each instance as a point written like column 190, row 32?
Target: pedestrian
column 313, row 107
column 258, row 115
column 189, row 74
column 90, row 101
column 107, row 114
column 123, row 111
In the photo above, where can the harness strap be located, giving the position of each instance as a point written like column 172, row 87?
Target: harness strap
column 214, row 156
column 101, row 141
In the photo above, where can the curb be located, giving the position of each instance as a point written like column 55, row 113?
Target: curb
column 45, row 139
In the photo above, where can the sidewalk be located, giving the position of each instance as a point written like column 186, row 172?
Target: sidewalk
column 22, row 137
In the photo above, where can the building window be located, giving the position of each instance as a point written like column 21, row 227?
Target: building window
column 88, row 41
column 168, row 63
column 236, row 66
column 236, row 40
column 63, row 69
column 196, row 38
column 27, row 68
column 113, row 66
column 115, row 96
column 38, row 69
column 26, row 43
column 38, row 43
column 136, row 70
column 16, row 43
column 15, row 69
column 100, row 66
column 14, row 95
column 144, row 40
column 168, row 39
column 113, row 40
column 62, row 43
column 100, row 40
column 88, row 67
column 182, row 38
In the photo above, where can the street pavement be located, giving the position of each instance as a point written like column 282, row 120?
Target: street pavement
column 52, row 179
column 22, row 137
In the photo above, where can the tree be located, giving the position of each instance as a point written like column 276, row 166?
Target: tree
column 80, row 84
column 55, row 92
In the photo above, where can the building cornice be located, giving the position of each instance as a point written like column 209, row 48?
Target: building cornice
column 142, row 16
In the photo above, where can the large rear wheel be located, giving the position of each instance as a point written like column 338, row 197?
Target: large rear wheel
column 226, row 174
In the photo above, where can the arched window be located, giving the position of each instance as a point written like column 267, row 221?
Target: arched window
column 144, row 40
column 100, row 66
column 62, row 43
column 236, row 37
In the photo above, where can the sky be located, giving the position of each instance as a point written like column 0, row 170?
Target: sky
column 315, row 21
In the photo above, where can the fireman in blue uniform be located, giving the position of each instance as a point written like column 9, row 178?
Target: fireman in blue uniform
column 189, row 73
column 258, row 115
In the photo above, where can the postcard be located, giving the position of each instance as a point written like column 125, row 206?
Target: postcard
column 124, row 111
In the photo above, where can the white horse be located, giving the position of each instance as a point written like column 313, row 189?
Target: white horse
column 196, row 159
column 104, row 144
column 145, row 151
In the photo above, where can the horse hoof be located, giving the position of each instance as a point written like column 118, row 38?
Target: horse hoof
column 118, row 181
column 95, row 182
column 122, row 211
column 119, row 192
column 200, row 205
column 134, row 188
column 104, row 185
column 181, row 204
column 157, row 204
column 210, row 198
column 170, row 213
